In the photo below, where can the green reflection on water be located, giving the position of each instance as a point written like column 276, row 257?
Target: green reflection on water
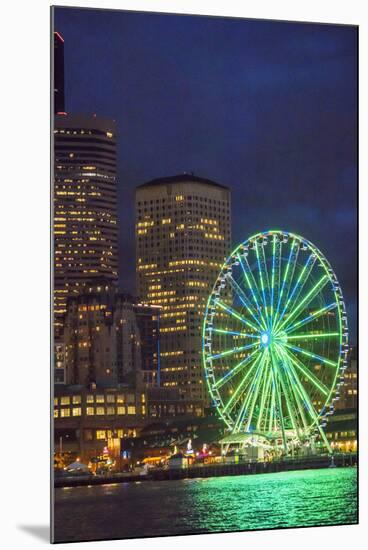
column 285, row 499
column 262, row 501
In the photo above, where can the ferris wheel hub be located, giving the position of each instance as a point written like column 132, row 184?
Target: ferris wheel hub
column 265, row 339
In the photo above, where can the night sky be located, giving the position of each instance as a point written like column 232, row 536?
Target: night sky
column 267, row 108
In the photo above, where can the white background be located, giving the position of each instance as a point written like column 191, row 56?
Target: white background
column 24, row 253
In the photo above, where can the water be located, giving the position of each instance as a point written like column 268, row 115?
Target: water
column 152, row 508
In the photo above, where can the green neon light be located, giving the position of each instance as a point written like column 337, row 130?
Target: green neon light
column 229, row 375
column 307, row 373
column 241, row 384
column 308, row 298
column 232, row 312
column 312, row 355
column 234, row 333
column 307, row 336
column 251, row 287
column 232, row 351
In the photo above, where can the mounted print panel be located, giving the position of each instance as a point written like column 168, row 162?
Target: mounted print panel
column 204, row 274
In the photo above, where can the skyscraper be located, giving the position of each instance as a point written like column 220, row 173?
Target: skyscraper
column 85, row 206
column 182, row 238
column 58, row 66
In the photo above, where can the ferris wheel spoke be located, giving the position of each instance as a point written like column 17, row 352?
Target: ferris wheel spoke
column 310, row 407
column 311, row 355
column 233, row 351
column 311, row 317
column 255, row 393
column 232, row 312
column 278, row 408
column 229, row 375
column 311, row 377
column 304, row 302
column 288, row 393
column 235, row 396
column 296, row 391
column 307, row 336
column 262, row 273
column 275, row 273
column 283, row 284
column 272, row 413
column 267, row 278
column 287, row 279
column 234, row 333
column 243, row 298
column 295, row 293
column 252, row 285
column 265, row 392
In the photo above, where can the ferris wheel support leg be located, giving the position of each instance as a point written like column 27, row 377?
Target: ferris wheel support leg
column 325, row 440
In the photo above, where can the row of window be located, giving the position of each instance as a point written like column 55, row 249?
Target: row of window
column 98, row 411
column 129, row 398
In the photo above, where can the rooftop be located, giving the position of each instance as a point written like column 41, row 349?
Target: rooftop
column 181, row 178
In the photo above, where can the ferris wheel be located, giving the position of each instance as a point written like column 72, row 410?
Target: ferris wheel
column 275, row 339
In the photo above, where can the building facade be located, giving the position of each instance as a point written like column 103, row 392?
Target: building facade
column 182, row 238
column 59, row 363
column 348, row 398
column 85, row 207
column 110, row 338
column 86, row 420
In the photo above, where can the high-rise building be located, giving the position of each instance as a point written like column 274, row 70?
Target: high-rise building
column 182, row 239
column 58, row 68
column 85, row 207
column 110, row 339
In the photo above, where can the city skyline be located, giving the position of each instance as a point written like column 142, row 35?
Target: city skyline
column 288, row 123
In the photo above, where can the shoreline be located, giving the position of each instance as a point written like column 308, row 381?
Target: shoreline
column 213, row 470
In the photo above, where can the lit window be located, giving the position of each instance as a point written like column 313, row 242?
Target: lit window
column 90, row 411
column 120, row 398
column 100, row 398
column 65, row 400
column 131, row 410
column 110, row 398
column 143, row 398
column 64, row 413
column 100, row 434
column 55, row 401
column 100, row 410
column 90, row 398
column 56, row 413
column 77, row 411
column 121, row 410
column 77, row 399
column 110, row 410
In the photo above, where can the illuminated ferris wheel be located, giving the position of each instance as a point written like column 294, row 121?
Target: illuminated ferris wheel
column 275, row 339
